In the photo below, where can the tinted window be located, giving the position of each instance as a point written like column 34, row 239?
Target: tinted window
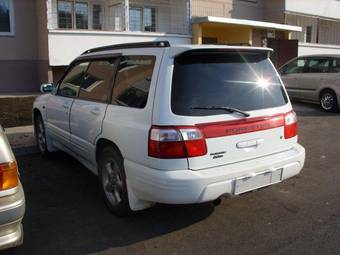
column 69, row 87
column 246, row 81
column 318, row 65
column 5, row 24
column 98, row 80
column 296, row 66
column 133, row 81
column 335, row 65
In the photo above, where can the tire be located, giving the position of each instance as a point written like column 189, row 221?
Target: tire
column 112, row 181
column 40, row 136
column 329, row 101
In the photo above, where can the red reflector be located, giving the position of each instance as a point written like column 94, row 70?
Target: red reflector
column 166, row 149
column 228, row 128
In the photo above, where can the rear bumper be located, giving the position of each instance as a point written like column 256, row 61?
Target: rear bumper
column 12, row 209
column 187, row 186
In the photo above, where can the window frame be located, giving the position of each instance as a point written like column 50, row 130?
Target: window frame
column 110, row 89
column 11, row 21
column 327, row 69
column 74, row 14
column 91, row 59
column 285, row 67
column 115, row 79
column 68, row 70
column 143, row 7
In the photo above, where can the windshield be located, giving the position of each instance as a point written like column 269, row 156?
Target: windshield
column 243, row 80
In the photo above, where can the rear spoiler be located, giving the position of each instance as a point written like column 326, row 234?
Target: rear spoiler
column 264, row 53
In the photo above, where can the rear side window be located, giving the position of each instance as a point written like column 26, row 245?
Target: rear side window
column 246, row 81
column 335, row 65
column 133, row 81
column 69, row 87
column 98, row 80
column 318, row 65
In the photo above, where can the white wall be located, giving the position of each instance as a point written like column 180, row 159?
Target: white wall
column 65, row 46
column 311, row 49
column 324, row 8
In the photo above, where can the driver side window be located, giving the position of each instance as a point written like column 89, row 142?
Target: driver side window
column 296, row 66
column 69, row 87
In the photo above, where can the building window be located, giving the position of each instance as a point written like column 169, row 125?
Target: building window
column 149, row 19
column 142, row 19
column 72, row 15
column 97, row 17
column 135, row 16
column 309, row 30
column 65, row 13
column 6, row 17
column 82, row 16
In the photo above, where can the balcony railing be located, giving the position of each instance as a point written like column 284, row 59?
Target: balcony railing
column 162, row 16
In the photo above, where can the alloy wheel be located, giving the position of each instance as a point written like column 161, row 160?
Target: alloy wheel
column 327, row 101
column 112, row 182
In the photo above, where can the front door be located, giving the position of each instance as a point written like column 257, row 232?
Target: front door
column 59, row 105
column 292, row 74
column 88, row 110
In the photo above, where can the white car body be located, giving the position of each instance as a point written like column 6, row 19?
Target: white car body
column 78, row 127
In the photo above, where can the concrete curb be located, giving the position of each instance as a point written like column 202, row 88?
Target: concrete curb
column 22, row 140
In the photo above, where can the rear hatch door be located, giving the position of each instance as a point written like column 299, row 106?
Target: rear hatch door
column 245, row 80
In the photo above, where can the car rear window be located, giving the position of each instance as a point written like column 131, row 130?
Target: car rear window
column 243, row 80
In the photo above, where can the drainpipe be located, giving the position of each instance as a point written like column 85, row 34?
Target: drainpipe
column 127, row 8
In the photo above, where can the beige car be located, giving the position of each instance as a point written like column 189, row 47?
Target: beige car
column 315, row 78
column 12, row 198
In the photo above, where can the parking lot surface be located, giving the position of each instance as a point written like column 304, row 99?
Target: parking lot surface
column 66, row 215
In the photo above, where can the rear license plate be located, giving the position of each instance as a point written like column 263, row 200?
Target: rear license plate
column 248, row 183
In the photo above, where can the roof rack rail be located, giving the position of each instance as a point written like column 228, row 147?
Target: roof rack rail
column 160, row 44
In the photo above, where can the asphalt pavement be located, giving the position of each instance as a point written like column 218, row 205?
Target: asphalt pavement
column 66, row 215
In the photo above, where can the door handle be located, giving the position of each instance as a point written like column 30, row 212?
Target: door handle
column 95, row 111
column 249, row 144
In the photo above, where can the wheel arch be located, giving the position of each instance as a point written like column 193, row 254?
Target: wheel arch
column 36, row 113
column 326, row 89
column 102, row 143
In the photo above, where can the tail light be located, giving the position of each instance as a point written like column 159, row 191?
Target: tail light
column 8, row 176
column 290, row 125
column 176, row 142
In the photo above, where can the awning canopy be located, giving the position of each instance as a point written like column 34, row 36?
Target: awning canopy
column 247, row 23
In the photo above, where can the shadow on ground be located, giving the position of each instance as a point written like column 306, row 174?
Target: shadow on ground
column 65, row 213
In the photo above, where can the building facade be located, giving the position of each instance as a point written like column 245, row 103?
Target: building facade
column 319, row 21
column 39, row 38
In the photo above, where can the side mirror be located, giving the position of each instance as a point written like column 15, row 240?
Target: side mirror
column 46, row 88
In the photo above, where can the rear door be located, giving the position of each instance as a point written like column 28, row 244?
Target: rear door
column 317, row 72
column 243, row 80
column 88, row 110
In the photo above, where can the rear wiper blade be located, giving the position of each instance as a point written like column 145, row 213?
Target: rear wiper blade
column 225, row 108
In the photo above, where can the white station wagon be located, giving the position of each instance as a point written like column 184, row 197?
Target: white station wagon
column 174, row 125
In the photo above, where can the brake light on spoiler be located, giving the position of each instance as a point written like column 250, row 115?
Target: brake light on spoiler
column 189, row 141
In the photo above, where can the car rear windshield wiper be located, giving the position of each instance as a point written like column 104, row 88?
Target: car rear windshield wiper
column 225, row 108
